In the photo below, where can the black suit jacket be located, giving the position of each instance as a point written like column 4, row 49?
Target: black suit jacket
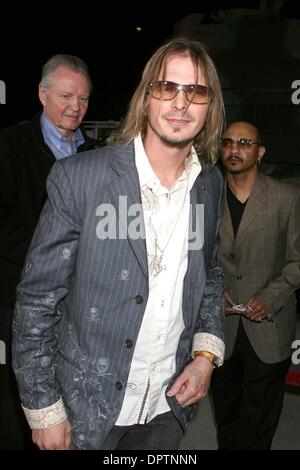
column 25, row 161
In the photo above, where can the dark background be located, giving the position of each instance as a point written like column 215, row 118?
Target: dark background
column 108, row 42
column 105, row 36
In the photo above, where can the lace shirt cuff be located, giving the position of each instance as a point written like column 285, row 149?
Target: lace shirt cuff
column 210, row 343
column 46, row 417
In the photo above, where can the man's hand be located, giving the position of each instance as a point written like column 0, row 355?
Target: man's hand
column 55, row 438
column 258, row 310
column 255, row 309
column 192, row 385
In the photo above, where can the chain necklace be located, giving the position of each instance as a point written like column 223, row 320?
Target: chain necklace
column 151, row 204
column 156, row 265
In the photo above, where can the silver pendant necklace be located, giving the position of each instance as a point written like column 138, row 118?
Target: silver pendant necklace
column 155, row 260
column 156, row 265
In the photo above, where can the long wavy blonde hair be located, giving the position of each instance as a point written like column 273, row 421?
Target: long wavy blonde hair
column 207, row 141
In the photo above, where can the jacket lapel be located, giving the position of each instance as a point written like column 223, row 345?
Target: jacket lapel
column 255, row 203
column 227, row 223
column 126, row 197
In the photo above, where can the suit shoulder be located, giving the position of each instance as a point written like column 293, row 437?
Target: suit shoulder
column 91, row 166
column 213, row 174
column 15, row 142
column 15, row 130
column 281, row 187
column 90, row 159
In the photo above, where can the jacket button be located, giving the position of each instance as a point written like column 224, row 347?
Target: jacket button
column 139, row 299
column 118, row 385
column 128, row 343
column 239, row 278
column 232, row 255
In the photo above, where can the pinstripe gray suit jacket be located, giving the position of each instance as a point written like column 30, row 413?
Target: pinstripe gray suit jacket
column 264, row 261
column 82, row 298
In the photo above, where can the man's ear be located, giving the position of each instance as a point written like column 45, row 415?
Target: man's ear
column 261, row 152
column 42, row 94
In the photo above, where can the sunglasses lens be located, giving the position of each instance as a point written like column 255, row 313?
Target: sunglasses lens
column 167, row 91
column 155, row 89
column 227, row 142
column 244, row 143
column 200, row 95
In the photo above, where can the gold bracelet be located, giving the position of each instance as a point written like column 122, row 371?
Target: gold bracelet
column 210, row 356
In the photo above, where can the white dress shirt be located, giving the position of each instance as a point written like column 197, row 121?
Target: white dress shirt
column 166, row 214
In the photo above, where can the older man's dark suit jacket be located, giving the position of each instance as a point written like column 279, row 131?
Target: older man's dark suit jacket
column 25, row 162
column 82, row 299
column 264, row 261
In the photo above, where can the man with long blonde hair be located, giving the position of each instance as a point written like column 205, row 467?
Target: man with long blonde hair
column 119, row 317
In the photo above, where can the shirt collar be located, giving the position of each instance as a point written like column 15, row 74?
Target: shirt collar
column 148, row 177
column 53, row 134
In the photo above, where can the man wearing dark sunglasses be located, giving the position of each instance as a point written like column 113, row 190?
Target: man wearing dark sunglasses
column 119, row 317
column 260, row 253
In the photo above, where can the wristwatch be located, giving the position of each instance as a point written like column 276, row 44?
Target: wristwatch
column 210, row 356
